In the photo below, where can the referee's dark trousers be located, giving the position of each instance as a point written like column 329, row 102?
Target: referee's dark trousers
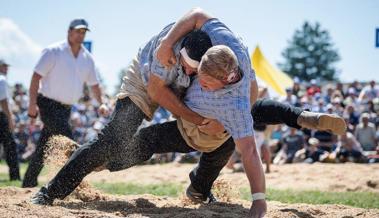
column 55, row 117
column 10, row 149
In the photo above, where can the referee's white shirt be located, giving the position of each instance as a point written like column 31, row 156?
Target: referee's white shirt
column 63, row 75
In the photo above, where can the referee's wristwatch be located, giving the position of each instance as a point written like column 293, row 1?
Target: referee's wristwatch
column 33, row 116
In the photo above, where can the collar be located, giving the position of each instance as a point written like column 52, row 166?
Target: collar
column 66, row 45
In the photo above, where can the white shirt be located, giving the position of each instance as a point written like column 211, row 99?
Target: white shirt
column 4, row 92
column 63, row 75
column 288, row 100
column 371, row 92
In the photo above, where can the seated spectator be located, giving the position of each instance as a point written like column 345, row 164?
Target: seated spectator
column 78, row 128
column 374, row 158
column 22, row 101
column 21, row 138
column 356, row 86
column 35, row 132
column 296, row 89
column 292, row 142
column 290, row 98
column 327, row 141
column 369, row 92
column 262, row 148
column 340, row 89
column 350, row 127
column 365, row 133
column 92, row 132
column 319, row 107
column 373, row 111
column 329, row 93
column 312, row 153
column 351, row 98
column 313, row 89
column 349, row 149
column 307, row 102
column 192, row 157
column 161, row 115
column 351, row 114
column 338, row 106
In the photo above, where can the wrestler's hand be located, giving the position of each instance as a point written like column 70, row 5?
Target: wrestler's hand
column 258, row 209
column 211, row 127
column 103, row 110
column 165, row 54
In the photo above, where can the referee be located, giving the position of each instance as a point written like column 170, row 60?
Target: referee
column 56, row 84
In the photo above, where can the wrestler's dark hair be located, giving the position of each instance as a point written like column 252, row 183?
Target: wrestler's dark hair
column 196, row 43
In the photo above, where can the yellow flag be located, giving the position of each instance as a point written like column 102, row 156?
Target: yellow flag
column 274, row 78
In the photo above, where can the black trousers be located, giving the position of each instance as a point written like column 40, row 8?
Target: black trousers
column 266, row 111
column 55, row 117
column 118, row 146
column 10, row 148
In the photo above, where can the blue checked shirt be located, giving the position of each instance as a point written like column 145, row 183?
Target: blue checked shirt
column 230, row 105
column 175, row 78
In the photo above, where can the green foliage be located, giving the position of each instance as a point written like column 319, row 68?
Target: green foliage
column 310, row 54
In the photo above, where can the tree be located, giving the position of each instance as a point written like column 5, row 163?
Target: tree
column 310, row 54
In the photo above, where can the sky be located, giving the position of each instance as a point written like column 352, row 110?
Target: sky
column 119, row 28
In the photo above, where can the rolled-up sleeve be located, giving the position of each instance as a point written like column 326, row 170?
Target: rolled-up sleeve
column 46, row 62
column 158, row 69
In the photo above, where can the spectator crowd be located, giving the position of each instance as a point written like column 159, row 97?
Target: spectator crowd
column 356, row 102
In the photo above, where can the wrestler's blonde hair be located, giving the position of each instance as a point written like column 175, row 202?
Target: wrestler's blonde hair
column 219, row 61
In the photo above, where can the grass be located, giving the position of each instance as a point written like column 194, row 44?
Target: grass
column 4, row 177
column 167, row 189
column 355, row 199
column 4, row 181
